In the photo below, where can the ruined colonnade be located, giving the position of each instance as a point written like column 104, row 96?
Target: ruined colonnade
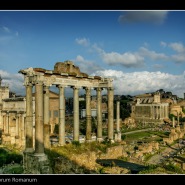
column 42, row 81
column 152, row 111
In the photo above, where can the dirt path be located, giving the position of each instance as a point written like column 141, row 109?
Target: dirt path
column 135, row 131
column 166, row 153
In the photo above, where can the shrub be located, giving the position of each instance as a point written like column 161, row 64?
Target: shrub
column 123, row 136
column 76, row 143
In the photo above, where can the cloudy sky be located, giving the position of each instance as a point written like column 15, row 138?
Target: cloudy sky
column 143, row 51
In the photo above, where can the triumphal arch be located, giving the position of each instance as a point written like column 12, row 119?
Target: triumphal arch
column 65, row 74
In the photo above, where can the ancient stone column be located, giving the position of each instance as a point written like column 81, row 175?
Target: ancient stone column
column 166, row 111
column 7, row 123
column 29, row 119
column 39, row 137
column 46, row 118
column 1, row 121
column 88, row 114
column 157, row 112
column 110, row 113
column 17, row 126
column 4, row 123
column 173, row 122
column 118, row 116
column 160, row 112
column 99, row 114
column 61, row 115
column 150, row 112
column 22, row 131
column 154, row 112
column 76, row 113
column 118, row 133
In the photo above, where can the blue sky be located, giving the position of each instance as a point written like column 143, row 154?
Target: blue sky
column 142, row 51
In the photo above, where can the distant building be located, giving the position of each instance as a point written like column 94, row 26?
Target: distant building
column 93, row 113
column 149, row 108
column 94, row 109
column 13, row 115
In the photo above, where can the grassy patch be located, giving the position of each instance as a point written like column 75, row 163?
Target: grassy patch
column 146, row 136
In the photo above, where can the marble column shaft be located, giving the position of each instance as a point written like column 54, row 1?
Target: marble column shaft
column 88, row 114
column 166, row 111
column 46, row 118
column 39, row 137
column 17, row 125
column 29, row 118
column 118, row 116
column 160, row 112
column 173, row 122
column 76, row 113
column 7, row 123
column 110, row 113
column 61, row 115
column 99, row 114
column 4, row 123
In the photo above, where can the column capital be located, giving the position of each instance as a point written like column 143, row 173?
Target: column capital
column 75, row 87
column 61, row 86
column 28, row 81
column 87, row 88
column 98, row 88
column 110, row 88
column 38, row 79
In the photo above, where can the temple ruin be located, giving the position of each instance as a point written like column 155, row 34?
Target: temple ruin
column 148, row 108
column 65, row 74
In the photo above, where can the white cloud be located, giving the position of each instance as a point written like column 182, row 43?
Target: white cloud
column 163, row 44
column 82, row 41
column 86, row 66
column 152, row 54
column 179, row 58
column 156, row 17
column 142, row 82
column 178, row 47
column 126, row 59
column 14, row 81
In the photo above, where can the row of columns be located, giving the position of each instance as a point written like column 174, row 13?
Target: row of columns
column 19, row 128
column 159, row 111
column 42, row 116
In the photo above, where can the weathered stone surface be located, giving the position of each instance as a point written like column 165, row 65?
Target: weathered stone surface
column 69, row 68
column 34, row 164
